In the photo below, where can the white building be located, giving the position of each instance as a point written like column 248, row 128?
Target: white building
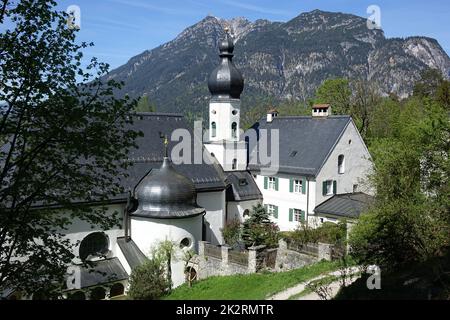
column 185, row 202
column 319, row 156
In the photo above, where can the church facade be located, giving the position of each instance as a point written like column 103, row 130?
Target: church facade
column 186, row 202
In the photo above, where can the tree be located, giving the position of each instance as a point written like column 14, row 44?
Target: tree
column 430, row 79
column 163, row 253
column 258, row 229
column 63, row 138
column 336, row 92
column 148, row 281
column 409, row 221
column 365, row 100
column 144, row 105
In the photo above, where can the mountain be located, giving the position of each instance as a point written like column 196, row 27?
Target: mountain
column 278, row 60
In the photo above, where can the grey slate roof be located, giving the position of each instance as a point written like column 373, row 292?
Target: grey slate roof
column 305, row 141
column 150, row 152
column 348, row 205
column 242, row 187
column 102, row 271
column 131, row 251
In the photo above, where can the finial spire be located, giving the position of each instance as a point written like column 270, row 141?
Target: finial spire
column 166, row 143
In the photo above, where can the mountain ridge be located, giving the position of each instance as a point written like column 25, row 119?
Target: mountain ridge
column 279, row 60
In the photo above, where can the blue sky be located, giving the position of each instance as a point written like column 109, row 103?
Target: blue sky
column 121, row 29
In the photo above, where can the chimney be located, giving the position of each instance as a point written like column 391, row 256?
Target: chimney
column 272, row 113
column 321, row 110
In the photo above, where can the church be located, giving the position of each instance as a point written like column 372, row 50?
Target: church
column 312, row 160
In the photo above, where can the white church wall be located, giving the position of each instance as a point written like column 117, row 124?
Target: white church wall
column 79, row 229
column 147, row 233
column 235, row 209
column 222, row 114
column 214, row 204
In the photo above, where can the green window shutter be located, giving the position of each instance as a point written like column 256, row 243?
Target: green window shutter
column 291, row 185
column 275, row 214
column 304, row 186
column 303, row 217
column 265, row 182
column 291, row 214
column 324, row 188
column 276, row 184
column 334, row 186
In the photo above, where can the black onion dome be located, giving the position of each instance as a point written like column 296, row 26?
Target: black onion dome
column 226, row 81
column 165, row 193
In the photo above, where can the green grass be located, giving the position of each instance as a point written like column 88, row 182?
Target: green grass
column 257, row 286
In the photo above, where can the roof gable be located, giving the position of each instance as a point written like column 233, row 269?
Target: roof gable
column 305, row 141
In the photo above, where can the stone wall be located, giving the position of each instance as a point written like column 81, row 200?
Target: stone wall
column 290, row 259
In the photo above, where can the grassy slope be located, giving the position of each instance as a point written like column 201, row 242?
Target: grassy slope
column 249, row 287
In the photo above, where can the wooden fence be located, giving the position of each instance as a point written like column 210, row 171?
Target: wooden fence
column 239, row 257
column 309, row 248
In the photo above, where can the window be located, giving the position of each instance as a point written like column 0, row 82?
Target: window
column 341, row 164
column 355, row 188
column 293, row 153
column 117, row 289
column 272, row 183
column 234, row 112
column 234, row 164
column 246, row 213
column 272, row 210
column 94, row 244
column 329, row 188
column 185, row 243
column 243, row 182
column 321, row 220
column 213, row 129
column 234, row 130
column 298, row 185
column 298, row 215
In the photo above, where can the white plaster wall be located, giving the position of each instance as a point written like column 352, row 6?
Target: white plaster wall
column 235, row 209
column 80, row 229
column 214, row 204
column 226, row 152
column 286, row 200
column 357, row 165
column 147, row 233
column 224, row 117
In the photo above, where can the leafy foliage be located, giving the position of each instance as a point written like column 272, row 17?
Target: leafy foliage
column 328, row 232
column 148, row 281
column 258, row 229
column 232, row 233
column 57, row 125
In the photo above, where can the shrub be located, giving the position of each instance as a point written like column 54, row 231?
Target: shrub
column 232, row 233
column 327, row 233
column 259, row 230
column 148, row 281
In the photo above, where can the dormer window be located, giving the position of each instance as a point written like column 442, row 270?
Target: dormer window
column 243, row 182
column 341, row 164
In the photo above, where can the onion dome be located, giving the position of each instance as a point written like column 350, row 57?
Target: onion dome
column 166, row 194
column 226, row 82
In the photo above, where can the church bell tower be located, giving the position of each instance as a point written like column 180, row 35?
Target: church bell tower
column 226, row 85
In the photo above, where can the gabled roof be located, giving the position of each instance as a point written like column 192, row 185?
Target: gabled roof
column 348, row 205
column 242, row 187
column 150, row 152
column 305, row 141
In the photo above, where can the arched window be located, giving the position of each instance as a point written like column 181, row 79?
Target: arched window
column 341, row 164
column 234, row 164
column 78, row 295
column 117, row 289
column 98, row 293
column 213, row 129
column 94, row 244
column 234, row 130
column 246, row 213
